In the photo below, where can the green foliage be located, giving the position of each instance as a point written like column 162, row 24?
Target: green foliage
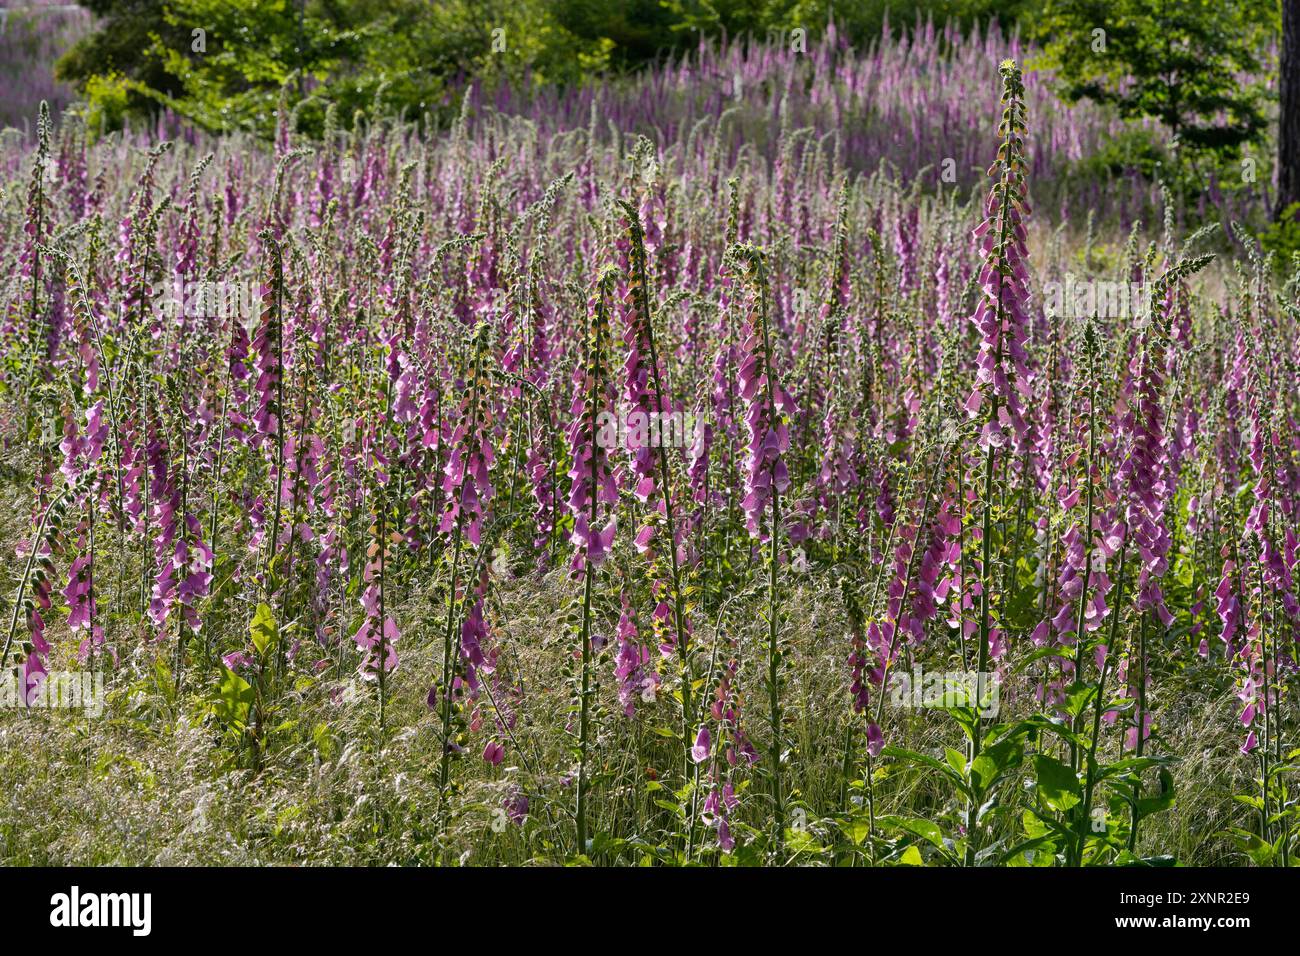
column 223, row 63
column 1180, row 63
column 233, row 700
column 1057, row 785
column 108, row 99
column 1134, row 148
column 1282, row 238
column 263, row 630
column 111, row 66
column 861, row 23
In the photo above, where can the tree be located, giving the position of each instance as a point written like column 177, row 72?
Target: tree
column 223, row 64
column 125, row 30
column 1177, row 61
column 1288, row 122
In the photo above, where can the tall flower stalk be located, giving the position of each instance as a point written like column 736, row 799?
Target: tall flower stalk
column 468, row 487
column 768, row 407
column 1002, row 321
column 641, row 339
column 592, row 487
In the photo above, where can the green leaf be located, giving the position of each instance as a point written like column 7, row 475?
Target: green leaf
column 1016, row 855
column 234, row 699
column 1050, row 651
column 858, row 830
column 1034, row 826
column 967, row 717
column 1058, row 728
column 801, row 841
column 927, row 830
column 1260, row 853
column 956, row 759
column 1161, row 801
column 1149, row 805
column 995, row 761
column 1058, row 786
column 263, row 629
column 323, row 740
column 902, row 753
column 674, row 808
column 911, row 857
column 1078, row 697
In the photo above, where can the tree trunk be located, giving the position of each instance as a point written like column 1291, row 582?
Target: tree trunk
column 1288, row 132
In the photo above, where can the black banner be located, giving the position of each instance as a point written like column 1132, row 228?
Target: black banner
column 334, row 905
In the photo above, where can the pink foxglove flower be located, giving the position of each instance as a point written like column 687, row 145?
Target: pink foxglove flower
column 592, row 489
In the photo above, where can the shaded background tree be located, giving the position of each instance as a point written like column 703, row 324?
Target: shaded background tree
column 1192, row 65
column 1288, row 132
column 408, row 54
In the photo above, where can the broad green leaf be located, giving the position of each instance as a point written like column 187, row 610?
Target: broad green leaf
column 1038, row 655
column 995, row 761
column 1078, row 697
column 911, row 857
column 858, row 830
column 1058, row 786
column 902, row 753
column 927, row 830
column 263, row 629
column 234, row 699
column 802, row 841
column 956, row 759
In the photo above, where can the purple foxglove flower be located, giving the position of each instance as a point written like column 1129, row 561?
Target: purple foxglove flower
column 700, row 752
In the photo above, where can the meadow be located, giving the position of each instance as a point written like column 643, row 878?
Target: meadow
column 774, row 458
